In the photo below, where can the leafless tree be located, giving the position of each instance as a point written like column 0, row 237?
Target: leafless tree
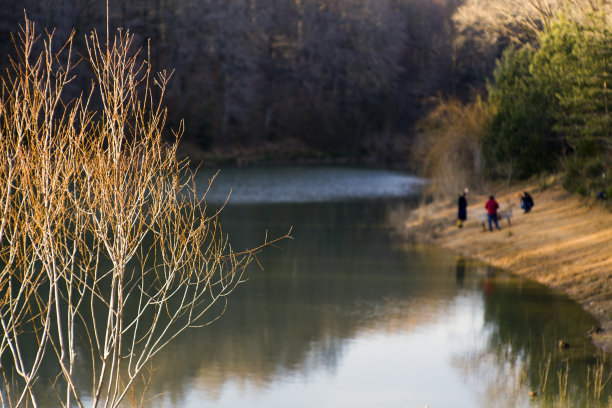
column 108, row 249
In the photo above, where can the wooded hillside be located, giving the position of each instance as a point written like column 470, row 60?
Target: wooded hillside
column 346, row 76
column 352, row 78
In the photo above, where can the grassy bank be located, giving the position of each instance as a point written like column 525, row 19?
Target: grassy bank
column 565, row 242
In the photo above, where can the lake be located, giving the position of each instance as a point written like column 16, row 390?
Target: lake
column 348, row 315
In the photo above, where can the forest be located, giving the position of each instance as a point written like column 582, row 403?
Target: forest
column 463, row 89
column 337, row 77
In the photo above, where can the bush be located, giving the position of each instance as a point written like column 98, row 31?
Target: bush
column 585, row 176
column 448, row 147
column 572, row 177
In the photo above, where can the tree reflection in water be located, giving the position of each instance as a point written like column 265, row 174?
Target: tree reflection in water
column 524, row 323
column 343, row 278
column 424, row 320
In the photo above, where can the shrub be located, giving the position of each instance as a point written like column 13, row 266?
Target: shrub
column 448, row 147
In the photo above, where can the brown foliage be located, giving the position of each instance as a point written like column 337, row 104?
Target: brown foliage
column 519, row 20
column 448, row 147
column 107, row 245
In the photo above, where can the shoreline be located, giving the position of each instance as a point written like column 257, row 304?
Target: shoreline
column 565, row 243
column 288, row 153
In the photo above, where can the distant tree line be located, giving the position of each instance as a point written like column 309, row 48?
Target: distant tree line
column 348, row 76
column 521, row 85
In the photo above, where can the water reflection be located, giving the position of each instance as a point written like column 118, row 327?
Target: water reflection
column 344, row 315
column 488, row 281
column 344, row 294
column 524, row 323
column 301, row 315
column 460, row 270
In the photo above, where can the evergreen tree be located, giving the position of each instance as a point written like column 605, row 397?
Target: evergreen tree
column 588, row 98
column 575, row 62
column 518, row 141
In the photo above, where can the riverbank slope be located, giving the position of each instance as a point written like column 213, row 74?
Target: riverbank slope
column 565, row 242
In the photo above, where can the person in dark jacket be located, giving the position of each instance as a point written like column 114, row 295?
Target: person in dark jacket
column 492, row 207
column 462, row 208
column 526, row 202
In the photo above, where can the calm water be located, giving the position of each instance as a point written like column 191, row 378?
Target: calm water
column 345, row 315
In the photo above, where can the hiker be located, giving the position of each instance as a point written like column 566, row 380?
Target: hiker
column 462, row 208
column 526, row 202
column 492, row 207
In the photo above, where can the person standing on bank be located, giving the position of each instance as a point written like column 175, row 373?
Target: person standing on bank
column 492, row 207
column 462, row 208
column 526, row 202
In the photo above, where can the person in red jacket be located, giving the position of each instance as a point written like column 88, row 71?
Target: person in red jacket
column 492, row 207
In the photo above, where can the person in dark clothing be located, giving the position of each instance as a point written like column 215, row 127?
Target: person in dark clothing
column 492, row 207
column 462, row 208
column 526, row 202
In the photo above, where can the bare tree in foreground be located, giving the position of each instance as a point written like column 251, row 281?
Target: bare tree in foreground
column 108, row 251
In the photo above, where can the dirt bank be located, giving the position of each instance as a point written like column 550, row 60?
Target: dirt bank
column 565, row 243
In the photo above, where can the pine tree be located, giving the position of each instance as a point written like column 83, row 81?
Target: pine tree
column 575, row 63
column 589, row 97
column 519, row 140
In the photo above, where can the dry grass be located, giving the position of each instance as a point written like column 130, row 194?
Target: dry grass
column 520, row 19
column 449, row 147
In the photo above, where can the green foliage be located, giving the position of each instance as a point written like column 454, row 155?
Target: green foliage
column 575, row 60
column 586, row 175
column 554, row 103
column 518, row 140
column 571, row 177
